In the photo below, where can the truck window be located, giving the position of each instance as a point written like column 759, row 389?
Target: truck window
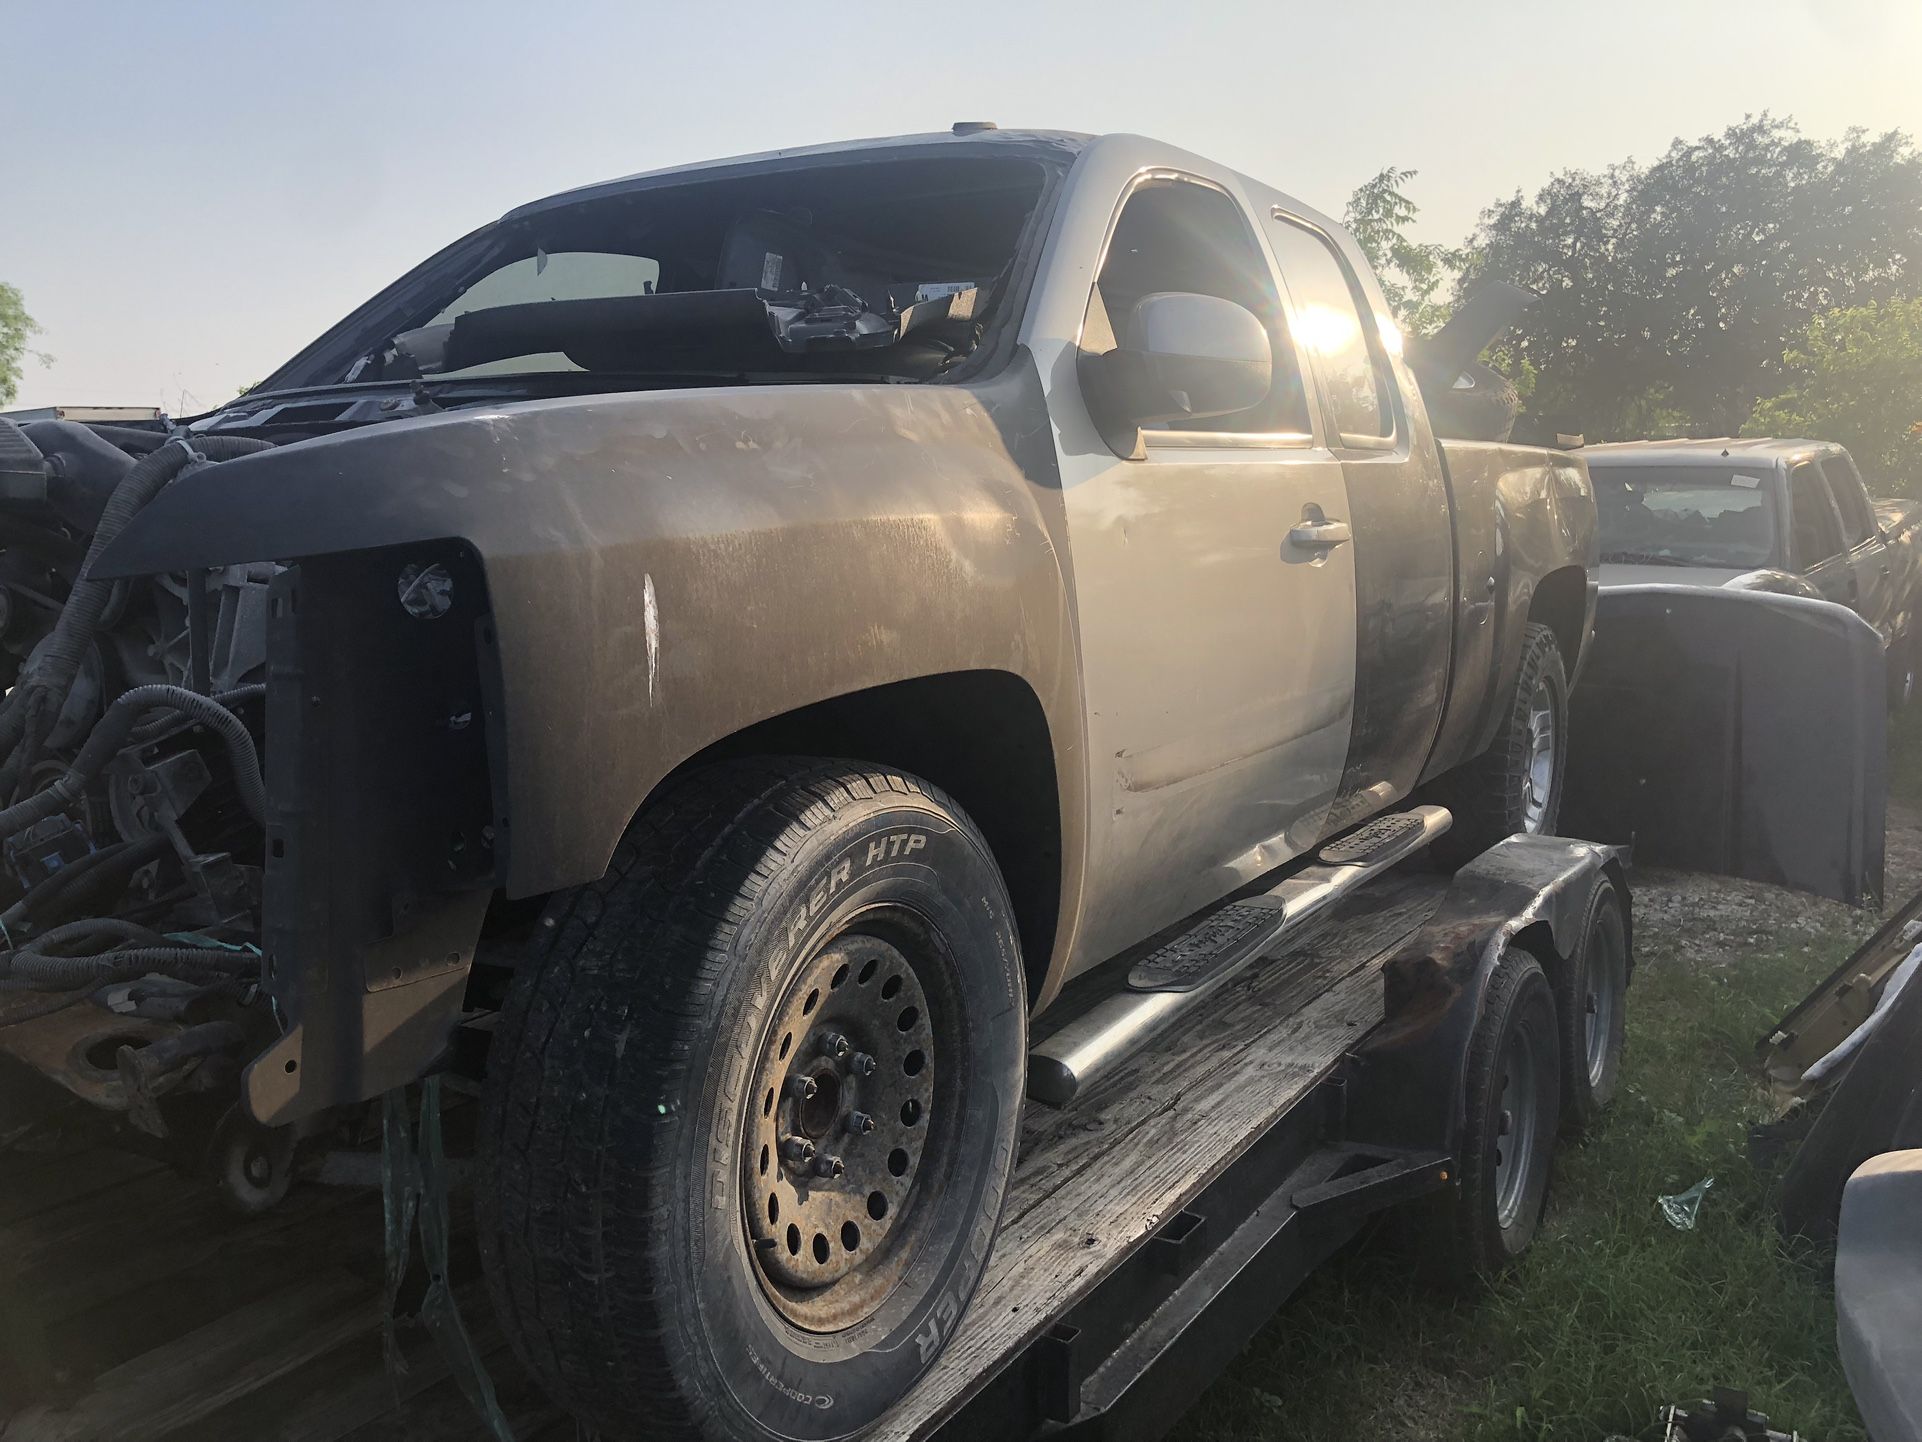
column 1858, row 521
column 1333, row 321
column 1686, row 515
column 1186, row 236
column 564, row 275
column 1817, row 536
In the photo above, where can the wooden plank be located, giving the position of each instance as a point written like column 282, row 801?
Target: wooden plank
column 214, row 1276
column 172, row 1388
column 32, row 1184
column 156, row 1227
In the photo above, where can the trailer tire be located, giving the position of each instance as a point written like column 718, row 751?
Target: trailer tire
column 1591, row 1005
column 778, row 948
column 1483, row 1222
column 1516, row 784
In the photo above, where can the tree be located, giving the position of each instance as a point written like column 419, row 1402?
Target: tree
column 1670, row 292
column 16, row 329
column 1411, row 273
column 1857, row 379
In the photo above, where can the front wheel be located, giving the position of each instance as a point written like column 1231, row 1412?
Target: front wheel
column 752, row 1107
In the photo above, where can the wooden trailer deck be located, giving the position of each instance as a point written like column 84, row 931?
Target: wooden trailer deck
column 132, row 1306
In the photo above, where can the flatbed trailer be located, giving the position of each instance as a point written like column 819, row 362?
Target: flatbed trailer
column 1151, row 1229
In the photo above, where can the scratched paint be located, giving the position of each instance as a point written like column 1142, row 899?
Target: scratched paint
column 651, row 625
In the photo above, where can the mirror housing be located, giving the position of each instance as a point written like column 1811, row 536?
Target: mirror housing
column 1181, row 356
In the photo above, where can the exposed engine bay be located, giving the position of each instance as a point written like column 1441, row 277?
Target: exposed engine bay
column 132, row 800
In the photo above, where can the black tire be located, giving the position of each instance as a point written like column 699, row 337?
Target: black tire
column 1493, row 796
column 1488, row 1217
column 1591, row 1006
column 621, row 1190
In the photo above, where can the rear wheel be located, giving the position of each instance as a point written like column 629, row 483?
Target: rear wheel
column 752, row 1107
column 1490, row 1215
column 1516, row 784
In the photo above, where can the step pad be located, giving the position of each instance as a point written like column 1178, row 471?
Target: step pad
column 1222, row 940
column 1379, row 837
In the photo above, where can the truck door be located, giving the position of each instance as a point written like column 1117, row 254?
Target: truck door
column 1399, row 509
column 1815, row 537
column 1868, row 550
column 1214, row 590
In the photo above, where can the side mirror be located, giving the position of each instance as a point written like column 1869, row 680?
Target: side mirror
column 1182, row 357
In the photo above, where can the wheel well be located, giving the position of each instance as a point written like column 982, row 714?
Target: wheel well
column 1560, row 602
column 982, row 737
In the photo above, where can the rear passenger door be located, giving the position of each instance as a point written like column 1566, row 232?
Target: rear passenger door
column 1815, row 536
column 1398, row 505
column 1868, row 551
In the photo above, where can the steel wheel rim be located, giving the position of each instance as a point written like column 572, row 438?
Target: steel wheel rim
column 1604, row 984
column 1538, row 783
column 841, row 1120
column 1515, row 1143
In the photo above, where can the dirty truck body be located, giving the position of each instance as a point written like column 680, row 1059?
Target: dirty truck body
column 1075, row 491
column 1187, row 696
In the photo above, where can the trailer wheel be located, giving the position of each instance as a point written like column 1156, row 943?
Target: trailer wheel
column 1516, row 784
column 752, row 1107
column 1591, row 1003
column 1489, row 1217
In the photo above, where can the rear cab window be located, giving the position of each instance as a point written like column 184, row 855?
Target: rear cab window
column 1845, row 483
column 1335, row 325
column 1816, row 531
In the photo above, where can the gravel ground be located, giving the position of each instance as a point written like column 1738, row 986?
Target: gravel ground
column 1716, row 920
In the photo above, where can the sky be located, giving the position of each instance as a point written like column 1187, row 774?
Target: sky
column 191, row 191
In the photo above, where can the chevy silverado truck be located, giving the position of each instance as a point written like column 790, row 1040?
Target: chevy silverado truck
column 1785, row 516
column 732, row 643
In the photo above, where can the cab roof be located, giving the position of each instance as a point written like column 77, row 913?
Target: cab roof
column 985, row 143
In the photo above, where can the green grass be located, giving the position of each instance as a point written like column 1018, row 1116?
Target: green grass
column 1615, row 1312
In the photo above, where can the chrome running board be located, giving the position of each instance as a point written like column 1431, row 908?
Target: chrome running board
column 1169, row 982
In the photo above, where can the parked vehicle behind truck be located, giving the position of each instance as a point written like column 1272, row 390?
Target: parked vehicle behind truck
column 760, row 628
column 1790, row 516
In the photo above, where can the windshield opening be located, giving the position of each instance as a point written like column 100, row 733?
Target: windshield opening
column 1685, row 515
column 888, row 270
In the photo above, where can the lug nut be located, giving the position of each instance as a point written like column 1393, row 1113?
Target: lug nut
column 860, row 1123
column 797, row 1151
column 801, row 1088
column 833, row 1044
column 828, row 1167
column 861, row 1064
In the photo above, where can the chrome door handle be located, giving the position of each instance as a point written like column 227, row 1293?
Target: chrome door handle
column 1320, row 535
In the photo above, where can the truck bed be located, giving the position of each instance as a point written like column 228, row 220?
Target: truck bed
column 151, row 1313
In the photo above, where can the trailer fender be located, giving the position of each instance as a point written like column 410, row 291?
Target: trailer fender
column 1407, row 1088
